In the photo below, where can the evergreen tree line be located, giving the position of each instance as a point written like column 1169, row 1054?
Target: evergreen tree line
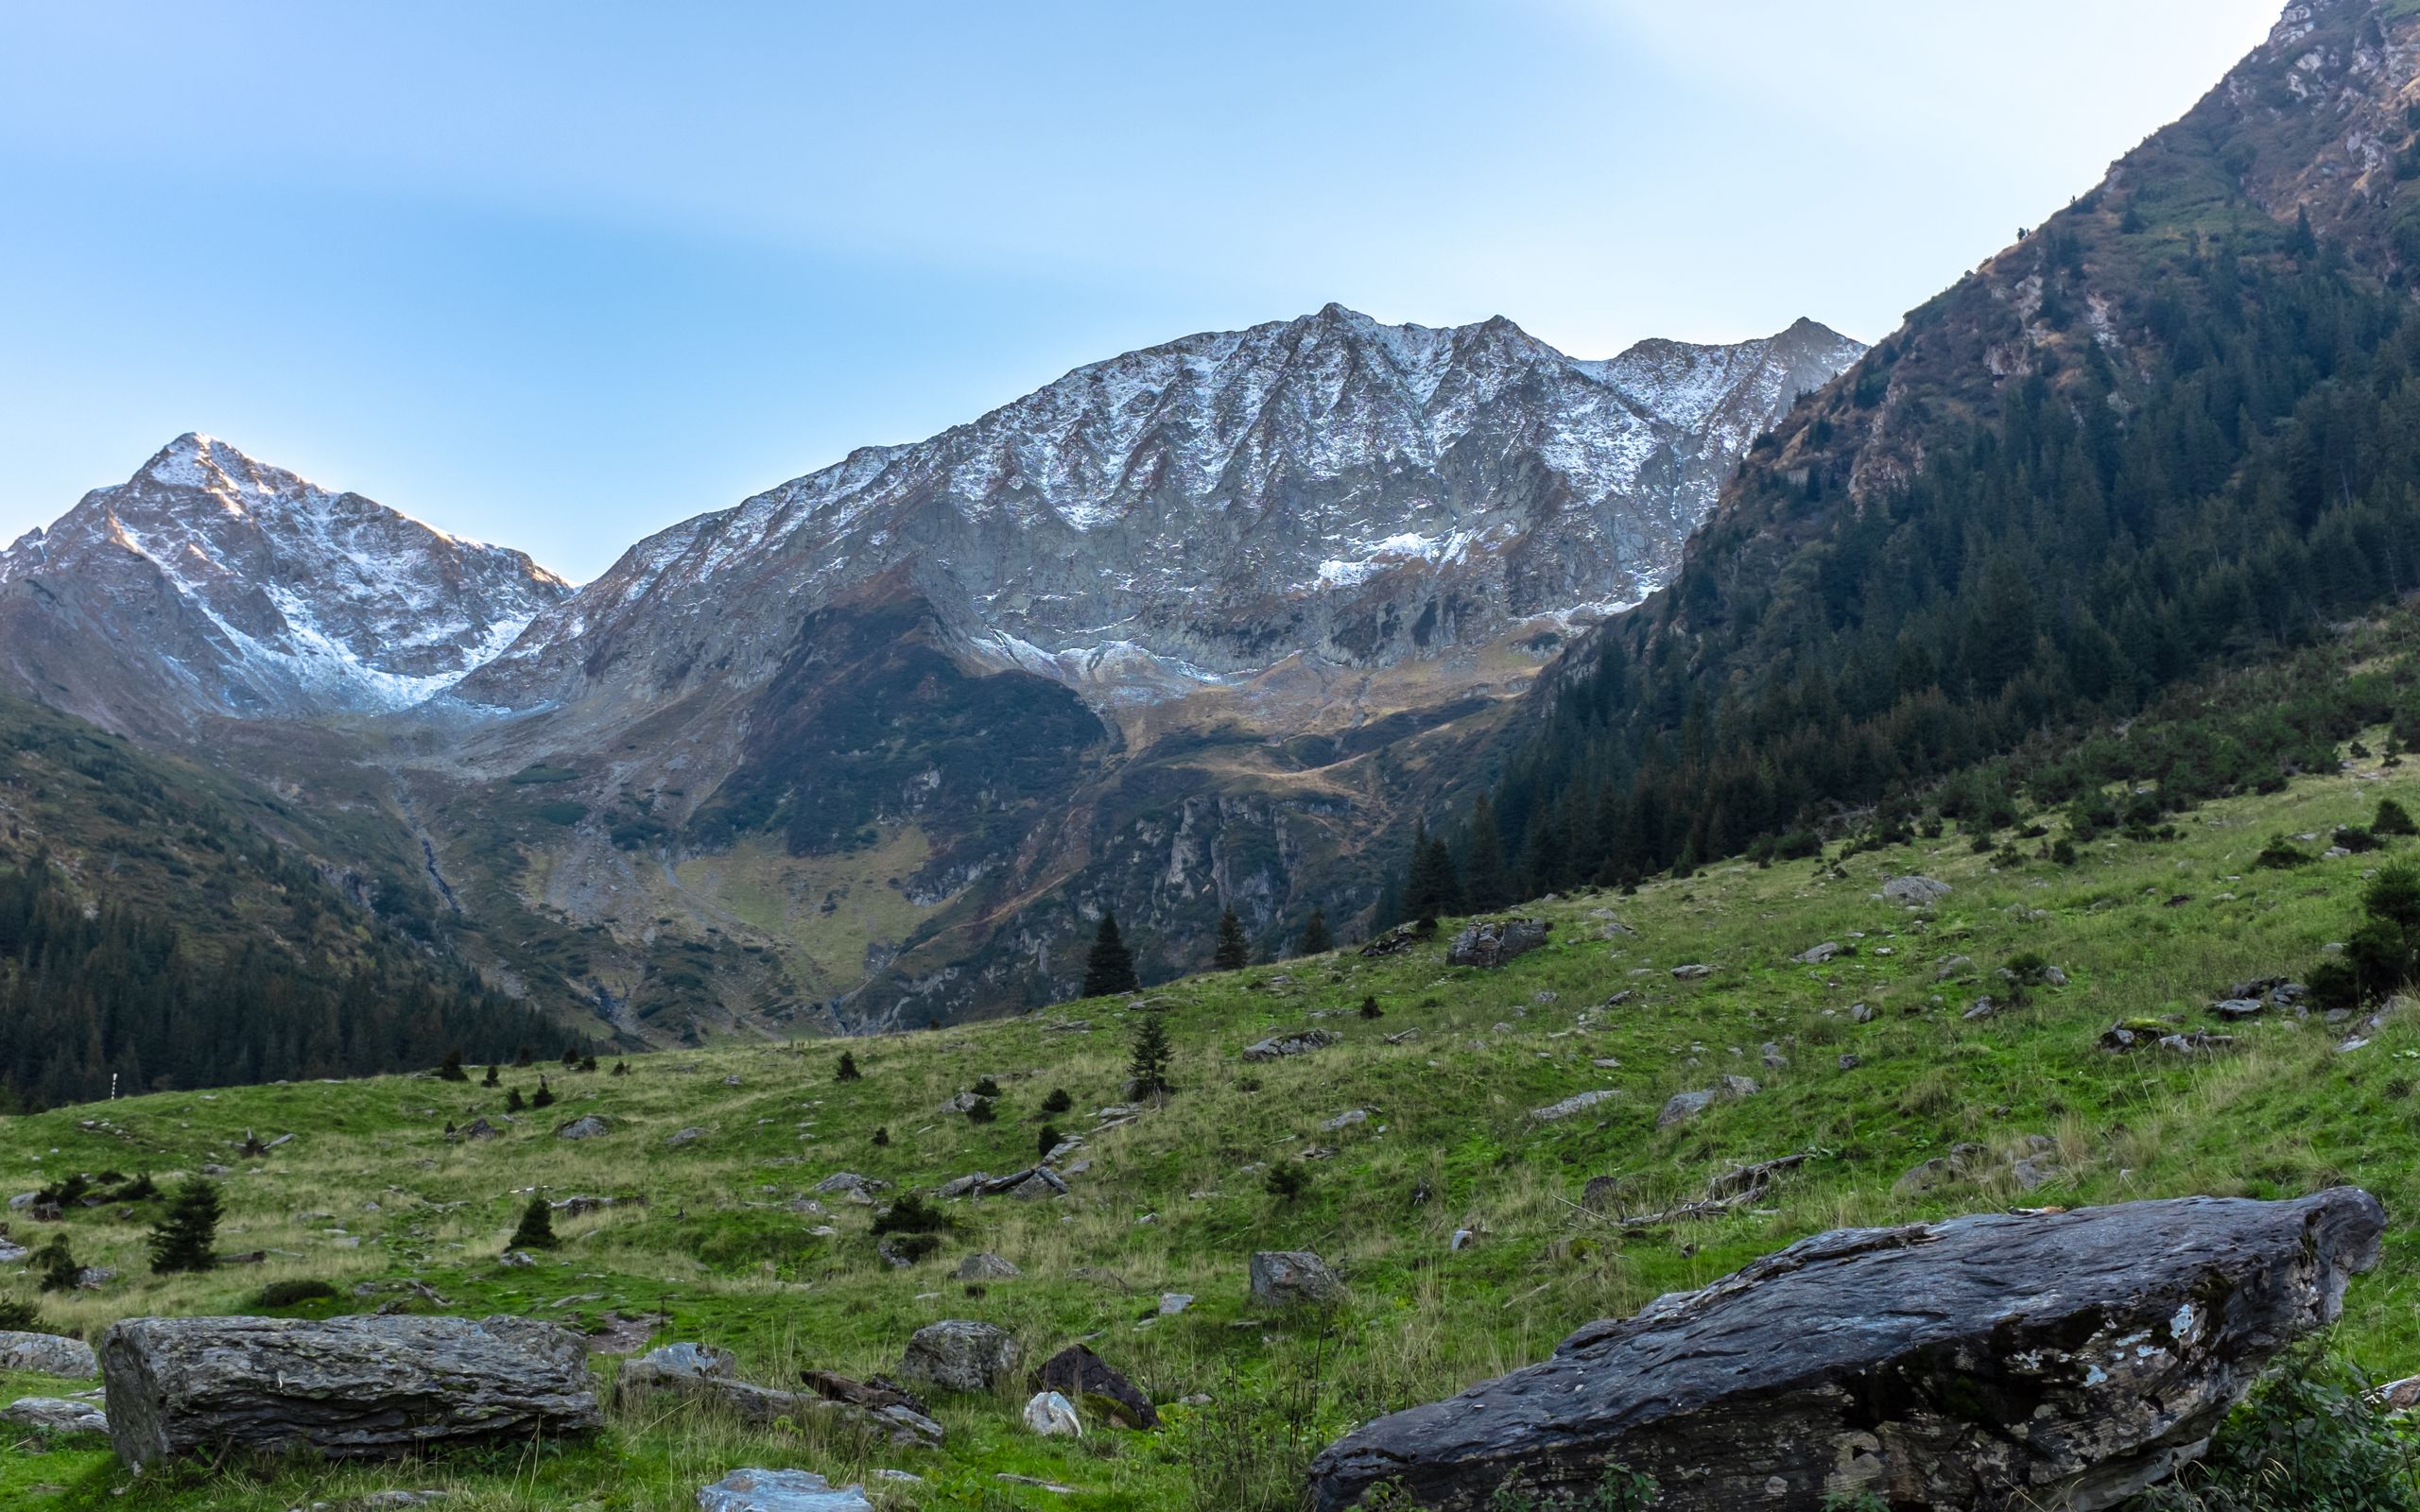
column 2049, row 570
column 115, row 990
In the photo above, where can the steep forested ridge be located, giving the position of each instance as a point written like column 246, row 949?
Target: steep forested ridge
column 2175, row 428
column 151, row 932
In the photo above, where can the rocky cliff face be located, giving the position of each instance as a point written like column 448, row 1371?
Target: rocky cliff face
column 210, row 584
column 1180, row 517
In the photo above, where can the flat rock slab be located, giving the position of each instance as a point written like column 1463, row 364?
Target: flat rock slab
column 780, row 1491
column 346, row 1387
column 699, row 1373
column 56, row 1415
column 46, row 1354
column 2060, row 1360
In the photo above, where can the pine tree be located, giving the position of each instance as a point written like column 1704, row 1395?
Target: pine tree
column 185, row 1237
column 1109, row 968
column 1234, row 952
column 546, row 1098
column 537, row 1230
column 57, row 1265
column 1484, row 884
column 1316, row 940
column 1146, row 1073
column 490, row 1080
column 512, row 1100
column 848, row 1069
column 1434, row 890
column 451, row 1069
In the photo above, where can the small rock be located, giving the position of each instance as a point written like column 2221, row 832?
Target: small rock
column 959, row 1354
column 1172, row 1303
column 686, row 1136
column 1578, row 1103
column 1692, row 973
column 1851, row 1062
column 1682, row 1107
column 1348, row 1118
column 1817, row 955
column 586, row 1126
column 1050, row 1414
column 986, row 1266
column 1279, row 1047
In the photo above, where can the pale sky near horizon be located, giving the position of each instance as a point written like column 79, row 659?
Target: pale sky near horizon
column 558, row 275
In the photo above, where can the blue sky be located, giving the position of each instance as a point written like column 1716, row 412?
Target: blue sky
column 560, row 274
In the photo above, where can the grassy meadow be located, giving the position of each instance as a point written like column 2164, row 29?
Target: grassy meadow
column 716, row 1238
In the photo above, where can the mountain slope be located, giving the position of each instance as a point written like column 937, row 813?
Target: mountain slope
column 1170, row 635
column 2173, row 428
column 212, row 585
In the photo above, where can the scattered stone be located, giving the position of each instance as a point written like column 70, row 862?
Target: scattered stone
column 686, row 1136
column 1954, row 966
column 1085, row 1377
column 586, row 1126
column 701, row 1374
column 1682, row 1107
column 46, row 1354
column 895, row 1252
column 1494, row 941
column 754, row 1491
column 850, row 1184
column 960, row 1355
column 1853, row 1362
column 1916, row 892
column 1602, row 1194
column 1860, row 1013
column 987, row 1266
column 1577, row 1103
column 1050, row 1414
column 516, row 1260
column 56, row 1415
column 1348, row 1118
column 1692, row 973
column 1850, row 1062
column 1773, row 1058
column 2237, row 1009
column 1171, row 1304
column 1817, row 955
column 345, row 1387
column 1280, row 1047
column 477, row 1128
column 1393, row 943
column 1293, row 1277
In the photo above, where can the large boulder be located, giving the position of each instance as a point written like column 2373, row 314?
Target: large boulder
column 960, row 1355
column 1916, row 892
column 1495, row 941
column 2059, row 1360
column 346, row 1387
column 697, row 1373
column 1293, row 1277
column 46, row 1354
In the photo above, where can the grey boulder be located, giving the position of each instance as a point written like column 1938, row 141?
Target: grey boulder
column 754, row 1491
column 586, row 1126
column 46, row 1354
column 1916, row 892
column 959, row 1354
column 1278, row 1047
column 2060, row 1360
column 345, row 1387
column 1293, row 1277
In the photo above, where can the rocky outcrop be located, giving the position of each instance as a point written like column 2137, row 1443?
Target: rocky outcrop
column 2062, row 1359
column 1495, row 941
column 346, row 1387
column 1280, row 1048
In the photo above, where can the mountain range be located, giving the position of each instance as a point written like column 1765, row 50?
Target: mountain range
column 1176, row 633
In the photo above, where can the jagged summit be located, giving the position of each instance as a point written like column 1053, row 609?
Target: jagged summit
column 211, row 583
column 1328, row 486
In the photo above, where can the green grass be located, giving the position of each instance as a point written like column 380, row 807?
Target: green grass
column 1176, row 1200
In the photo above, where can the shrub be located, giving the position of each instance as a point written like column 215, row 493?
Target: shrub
column 2355, row 841
column 18, row 1316
column 2062, row 851
column 546, row 1095
column 914, row 1248
column 1286, row 1181
column 537, row 1227
column 185, row 1238
column 55, row 1264
column 912, row 1214
column 1057, row 1102
column 881, row 1137
column 292, row 1294
column 1370, row 1009
column 513, row 1103
column 2309, row 1439
column 2281, row 854
column 1046, row 1142
column 492, row 1079
column 452, row 1069
column 982, row 1111
column 848, row 1071
column 1147, row 1071
column 986, row 1088
column 2393, row 819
